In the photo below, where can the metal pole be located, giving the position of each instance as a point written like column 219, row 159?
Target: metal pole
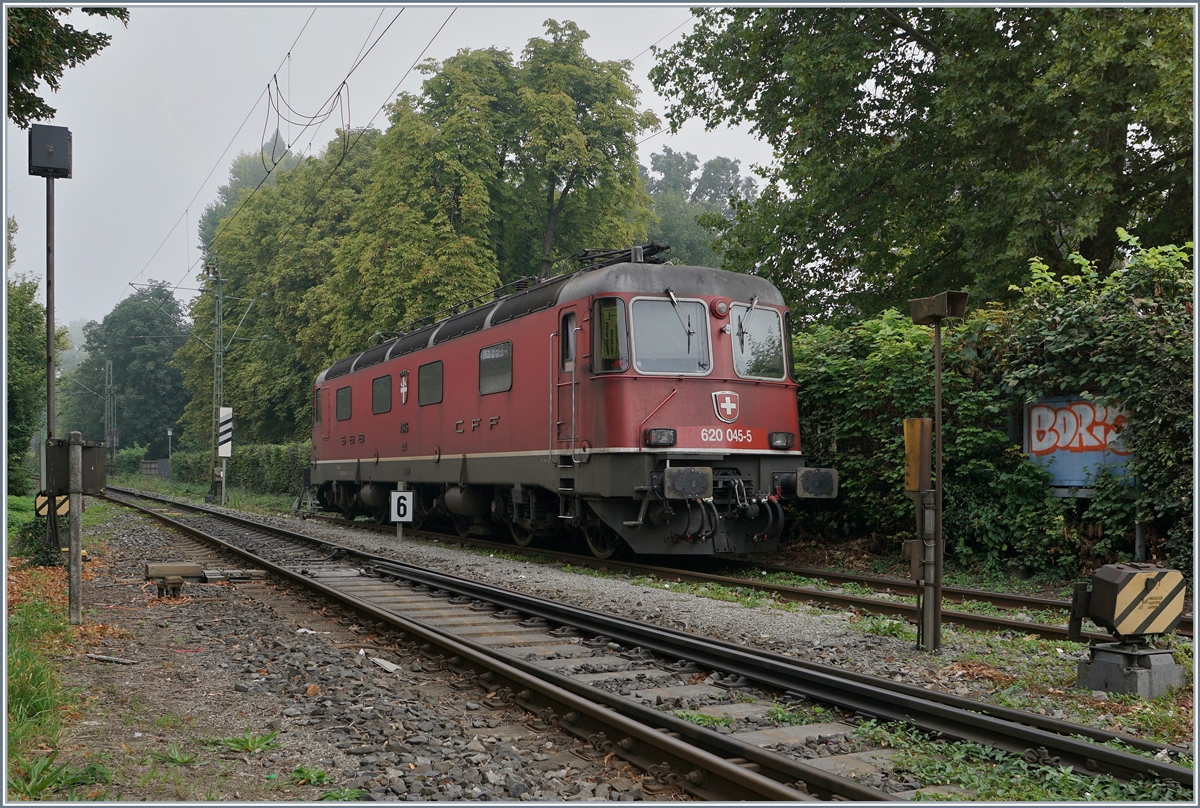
column 52, row 539
column 222, row 482
column 218, row 381
column 110, row 412
column 939, row 547
column 50, row 306
column 75, row 552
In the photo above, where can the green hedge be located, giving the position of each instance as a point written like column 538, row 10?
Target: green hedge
column 261, row 469
column 1123, row 339
column 857, row 385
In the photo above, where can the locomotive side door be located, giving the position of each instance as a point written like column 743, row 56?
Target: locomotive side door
column 567, row 366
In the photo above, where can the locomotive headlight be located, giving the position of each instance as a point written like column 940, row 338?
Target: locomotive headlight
column 660, row 437
column 781, row 440
column 720, row 308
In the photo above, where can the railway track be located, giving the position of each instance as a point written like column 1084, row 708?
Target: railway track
column 598, row 676
column 908, row 611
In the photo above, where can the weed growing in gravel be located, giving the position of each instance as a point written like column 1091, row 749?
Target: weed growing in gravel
column 304, row 776
column 174, row 756
column 787, row 716
column 702, row 720
column 251, row 742
column 343, row 794
column 884, row 626
column 33, row 779
column 744, row 596
column 168, row 721
column 990, row 774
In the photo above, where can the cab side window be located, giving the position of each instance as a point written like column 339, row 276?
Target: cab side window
column 343, row 404
column 566, row 341
column 495, row 368
column 610, row 336
column 429, row 383
column 381, row 395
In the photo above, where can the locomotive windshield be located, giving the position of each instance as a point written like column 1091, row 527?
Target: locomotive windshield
column 670, row 336
column 757, row 341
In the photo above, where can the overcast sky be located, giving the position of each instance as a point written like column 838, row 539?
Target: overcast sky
column 153, row 114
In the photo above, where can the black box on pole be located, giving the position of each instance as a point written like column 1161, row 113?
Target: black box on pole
column 50, row 151
column 58, row 478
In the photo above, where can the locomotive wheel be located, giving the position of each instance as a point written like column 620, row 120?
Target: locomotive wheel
column 380, row 515
column 522, row 536
column 462, row 524
column 602, row 540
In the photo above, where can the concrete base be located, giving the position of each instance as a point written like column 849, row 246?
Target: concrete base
column 1125, row 668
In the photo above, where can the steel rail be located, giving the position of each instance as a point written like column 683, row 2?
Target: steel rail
column 800, row 594
column 712, row 772
column 960, row 719
column 955, row 717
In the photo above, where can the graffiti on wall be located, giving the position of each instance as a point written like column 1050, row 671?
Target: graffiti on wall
column 1079, row 426
column 1073, row 439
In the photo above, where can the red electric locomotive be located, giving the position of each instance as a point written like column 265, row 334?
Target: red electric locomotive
column 638, row 404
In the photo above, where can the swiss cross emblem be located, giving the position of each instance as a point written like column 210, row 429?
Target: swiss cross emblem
column 404, row 388
column 727, row 406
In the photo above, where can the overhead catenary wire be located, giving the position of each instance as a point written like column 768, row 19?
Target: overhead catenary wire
column 218, row 162
column 242, row 204
column 362, row 131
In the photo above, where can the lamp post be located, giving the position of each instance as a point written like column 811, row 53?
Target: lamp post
column 931, row 311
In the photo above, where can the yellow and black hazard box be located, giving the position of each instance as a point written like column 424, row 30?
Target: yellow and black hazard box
column 1137, row 599
column 41, row 503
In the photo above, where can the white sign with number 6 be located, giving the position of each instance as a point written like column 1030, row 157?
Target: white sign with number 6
column 402, row 506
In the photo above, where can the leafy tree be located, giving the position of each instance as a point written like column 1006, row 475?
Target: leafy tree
column 245, row 174
column 494, row 166
column 689, row 208
column 282, row 244
column 494, row 171
column 139, row 336
column 928, row 148
column 40, row 47
column 578, row 120
column 26, row 383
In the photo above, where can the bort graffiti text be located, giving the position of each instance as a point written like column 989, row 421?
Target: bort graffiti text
column 1078, row 427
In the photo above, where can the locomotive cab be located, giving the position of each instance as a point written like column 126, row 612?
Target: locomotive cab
column 632, row 405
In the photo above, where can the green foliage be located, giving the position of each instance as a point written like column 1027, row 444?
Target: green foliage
column 305, row 775
column 688, row 208
column 173, row 756
column 279, row 243
column 20, row 512
column 263, row 469
column 139, row 336
column 499, row 168
column 35, row 693
column 251, row 741
column 33, row 779
column 857, row 386
column 703, row 720
column 39, row 49
column 1123, row 339
column 343, row 794
column 927, row 148
column 26, row 387
column 129, row 460
column 29, row 542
